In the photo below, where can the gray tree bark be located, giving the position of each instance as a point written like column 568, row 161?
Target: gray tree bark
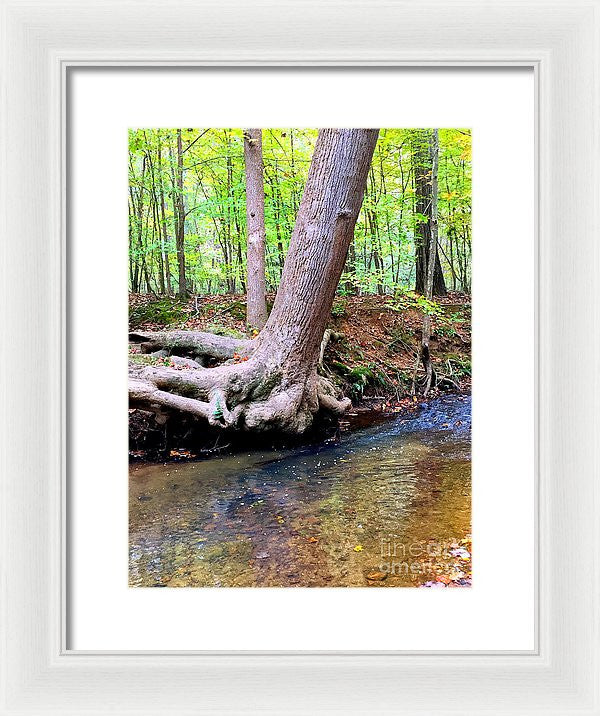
column 431, row 257
column 422, row 169
column 276, row 385
column 256, row 311
column 163, row 222
column 180, row 213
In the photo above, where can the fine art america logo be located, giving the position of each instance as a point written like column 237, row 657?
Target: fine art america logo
column 425, row 557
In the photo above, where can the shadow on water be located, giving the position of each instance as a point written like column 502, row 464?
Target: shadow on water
column 389, row 505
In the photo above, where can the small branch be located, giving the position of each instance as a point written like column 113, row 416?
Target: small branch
column 191, row 144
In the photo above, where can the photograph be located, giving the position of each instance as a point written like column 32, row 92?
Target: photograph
column 299, row 357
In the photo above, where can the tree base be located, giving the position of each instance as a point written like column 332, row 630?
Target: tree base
column 255, row 390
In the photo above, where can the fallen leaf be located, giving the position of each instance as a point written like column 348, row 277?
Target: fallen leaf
column 358, row 548
column 434, row 585
column 376, row 576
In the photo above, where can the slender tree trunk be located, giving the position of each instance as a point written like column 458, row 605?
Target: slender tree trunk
column 451, row 242
column 431, row 254
column 143, row 247
column 350, row 286
column 229, row 204
column 140, row 227
column 256, row 314
column 423, row 199
column 163, row 223
column 133, row 262
column 277, row 209
column 293, row 169
column 180, row 238
column 155, row 229
column 278, row 387
column 156, row 220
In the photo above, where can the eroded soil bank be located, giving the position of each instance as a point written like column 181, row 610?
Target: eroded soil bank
column 372, row 356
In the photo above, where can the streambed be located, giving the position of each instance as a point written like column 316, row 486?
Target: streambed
column 386, row 506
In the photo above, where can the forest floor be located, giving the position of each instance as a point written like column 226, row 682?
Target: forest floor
column 373, row 351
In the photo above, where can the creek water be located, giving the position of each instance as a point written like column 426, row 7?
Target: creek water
column 388, row 505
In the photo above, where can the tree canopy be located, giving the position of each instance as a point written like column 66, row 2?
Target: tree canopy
column 187, row 194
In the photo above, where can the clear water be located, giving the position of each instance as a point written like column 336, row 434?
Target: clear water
column 388, row 506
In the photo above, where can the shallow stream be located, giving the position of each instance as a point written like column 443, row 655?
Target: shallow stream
column 388, row 505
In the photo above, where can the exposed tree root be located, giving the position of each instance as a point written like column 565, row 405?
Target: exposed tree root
column 251, row 395
column 194, row 343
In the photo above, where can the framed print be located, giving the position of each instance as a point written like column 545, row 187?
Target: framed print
column 300, row 418
column 283, row 523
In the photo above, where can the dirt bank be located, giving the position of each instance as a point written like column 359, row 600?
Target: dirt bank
column 372, row 355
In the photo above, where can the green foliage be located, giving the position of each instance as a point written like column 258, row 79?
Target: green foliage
column 460, row 364
column 363, row 376
column 431, row 308
column 409, row 299
column 381, row 257
column 445, row 330
column 447, row 325
column 339, row 308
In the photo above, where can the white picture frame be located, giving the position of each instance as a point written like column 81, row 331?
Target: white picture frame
column 41, row 40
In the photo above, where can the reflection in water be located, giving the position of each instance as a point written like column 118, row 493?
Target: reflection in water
column 391, row 503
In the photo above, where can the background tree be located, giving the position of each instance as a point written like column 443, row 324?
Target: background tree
column 163, row 220
column 256, row 302
column 431, row 261
column 180, row 219
column 424, row 197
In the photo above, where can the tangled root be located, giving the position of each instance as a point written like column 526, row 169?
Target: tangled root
column 245, row 396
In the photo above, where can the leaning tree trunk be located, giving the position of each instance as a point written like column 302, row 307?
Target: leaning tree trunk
column 275, row 384
column 256, row 315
